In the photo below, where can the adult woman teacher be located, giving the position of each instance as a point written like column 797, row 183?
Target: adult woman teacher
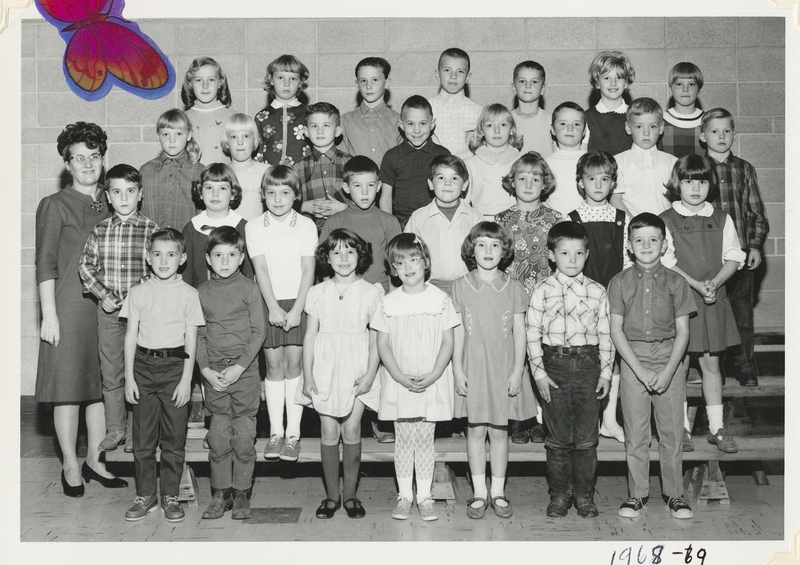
column 68, row 372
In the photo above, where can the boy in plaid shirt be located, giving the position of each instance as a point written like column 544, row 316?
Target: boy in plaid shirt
column 113, row 260
column 740, row 197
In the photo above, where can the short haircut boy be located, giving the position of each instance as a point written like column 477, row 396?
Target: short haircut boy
column 359, row 165
column 325, row 108
column 647, row 220
column 605, row 61
column 568, row 105
column 225, row 235
column 377, row 62
column 125, row 172
column 448, row 161
column 416, row 102
column 685, row 70
column 643, row 107
column 532, row 65
column 167, row 234
column 716, row 114
column 566, row 230
column 454, row 53
column 457, row 114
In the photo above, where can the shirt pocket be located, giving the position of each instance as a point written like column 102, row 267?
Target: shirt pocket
column 586, row 314
column 662, row 313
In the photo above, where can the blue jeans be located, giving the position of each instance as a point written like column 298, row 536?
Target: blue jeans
column 571, row 417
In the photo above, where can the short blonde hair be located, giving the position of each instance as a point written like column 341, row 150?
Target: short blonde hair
column 605, row 61
column 240, row 123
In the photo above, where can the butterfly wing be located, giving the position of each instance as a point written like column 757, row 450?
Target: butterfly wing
column 104, row 53
column 69, row 10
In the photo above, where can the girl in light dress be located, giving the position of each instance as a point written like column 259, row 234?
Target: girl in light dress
column 240, row 141
column 207, row 99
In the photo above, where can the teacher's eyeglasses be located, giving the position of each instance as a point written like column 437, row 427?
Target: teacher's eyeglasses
column 93, row 159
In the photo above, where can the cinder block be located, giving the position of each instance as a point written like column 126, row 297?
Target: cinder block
column 238, row 96
column 50, row 165
column 123, row 134
column 763, row 150
column 292, row 36
column 39, row 135
column 52, row 108
column 701, row 32
column 411, row 70
column 149, row 133
column 343, row 98
column 257, row 68
column 28, row 114
column 30, row 358
column 772, row 185
column 28, row 43
column 194, row 36
column 761, row 32
column 648, row 90
column 338, row 70
column 769, row 248
column 421, row 34
column 779, row 125
column 762, row 64
column 136, row 154
column 780, row 246
column 556, row 94
column 162, row 32
column 28, row 230
column 750, row 124
column 560, row 33
column 28, row 257
column 49, row 42
column 28, row 83
column 769, row 311
column 28, row 288
column 650, row 65
column 400, row 95
column 762, row 99
column 126, row 109
column 775, row 275
column 352, row 36
column 256, row 100
column 47, row 187
column 776, row 214
column 489, row 68
column 29, row 311
column 50, row 76
column 485, row 95
column 717, row 65
column 563, row 67
column 30, row 197
column 29, row 161
column 720, row 95
column 630, row 33
column 490, row 34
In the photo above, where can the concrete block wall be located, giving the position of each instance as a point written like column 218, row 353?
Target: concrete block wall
column 743, row 60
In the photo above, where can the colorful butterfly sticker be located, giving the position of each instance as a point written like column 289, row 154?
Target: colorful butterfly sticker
column 104, row 49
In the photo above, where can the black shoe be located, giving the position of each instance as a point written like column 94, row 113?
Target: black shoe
column 559, row 504
column 586, row 507
column 114, row 482
column 537, row 433
column 354, row 508
column 520, row 436
column 69, row 490
column 241, row 505
column 328, row 508
column 747, row 377
column 221, row 501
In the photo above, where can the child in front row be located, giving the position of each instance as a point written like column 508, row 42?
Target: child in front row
column 163, row 315
column 533, row 122
column 113, row 260
column 495, row 147
column 340, row 362
column 650, row 308
column 702, row 245
column 227, row 348
column 444, row 223
column 404, row 168
column 568, row 128
column 610, row 72
column 596, row 176
column 489, row 360
column 281, row 243
column 415, row 342
column 571, row 355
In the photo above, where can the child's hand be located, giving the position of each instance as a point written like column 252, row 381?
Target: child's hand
column 182, row 393
column 543, row 385
column 515, row 383
column 318, row 207
column 131, row 391
column 603, row 386
column 710, row 295
column 292, row 320
column 753, row 259
column 363, row 384
column 50, row 331
column 647, row 377
column 424, row 381
column 406, row 381
column 214, row 379
column 309, row 386
column 109, row 304
column 662, row 382
column 231, row 374
column 336, row 206
column 277, row 316
column 460, row 381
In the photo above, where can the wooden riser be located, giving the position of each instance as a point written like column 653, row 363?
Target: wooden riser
column 751, row 448
column 767, row 386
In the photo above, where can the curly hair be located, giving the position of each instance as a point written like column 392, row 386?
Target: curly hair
column 491, row 230
column 187, row 92
column 217, row 172
column 343, row 237
column 89, row 134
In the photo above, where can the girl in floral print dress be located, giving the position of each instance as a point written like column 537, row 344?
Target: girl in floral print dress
column 282, row 123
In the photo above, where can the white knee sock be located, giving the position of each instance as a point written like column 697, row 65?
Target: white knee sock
column 714, row 418
column 294, row 412
column 275, row 401
column 479, row 486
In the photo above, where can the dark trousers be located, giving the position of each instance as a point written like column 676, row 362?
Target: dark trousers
column 571, row 417
column 740, row 294
column 232, row 434
column 156, row 421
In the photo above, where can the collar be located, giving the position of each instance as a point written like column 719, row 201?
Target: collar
column 202, row 219
column 182, row 158
column 705, row 212
column 446, row 96
column 134, row 219
column 214, row 279
column 639, row 152
column 278, row 103
column 157, row 281
column 564, row 280
column 292, row 218
column 685, row 121
column 656, row 270
column 584, row 207
column 365, row 110
column 427, row 147
column 433, row 209
column 498, row 283
column 728, row 160
column 356, row 208
column 601, row 107
column 216, row 106
column 504, row 157
column 317, row 154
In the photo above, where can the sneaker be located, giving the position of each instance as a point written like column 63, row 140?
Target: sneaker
column 632, row 507
column 142, row 506
column 537, row 433
column 678, row 507
column 172, row 509
column 688, row 446
column 723, row 441
column 273, row 449
column 379, row 435
column 197, row 417
column 291, row 449
column 427, row 511
column 402, row 508
column 521, row 436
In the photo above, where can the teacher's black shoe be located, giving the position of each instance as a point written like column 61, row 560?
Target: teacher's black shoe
column 88, row 474
column 69, row 490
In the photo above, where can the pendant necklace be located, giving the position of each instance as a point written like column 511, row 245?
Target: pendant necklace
column 341, row 294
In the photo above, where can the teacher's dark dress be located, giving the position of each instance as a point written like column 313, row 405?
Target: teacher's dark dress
column 70, row 372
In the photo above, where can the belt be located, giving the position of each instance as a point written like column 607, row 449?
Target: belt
column 570, row 350
column 166, row 352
